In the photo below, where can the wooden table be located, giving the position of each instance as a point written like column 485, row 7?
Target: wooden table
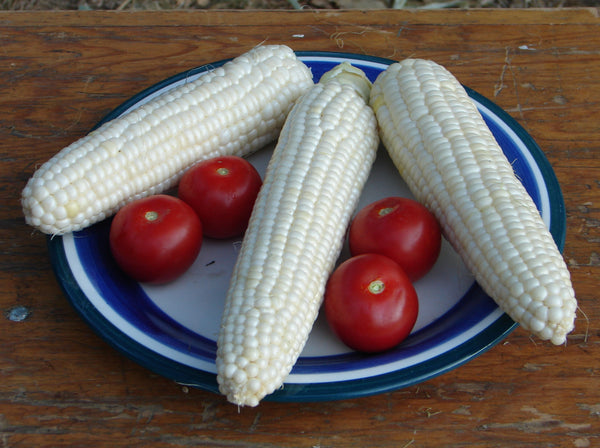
column 61, row 385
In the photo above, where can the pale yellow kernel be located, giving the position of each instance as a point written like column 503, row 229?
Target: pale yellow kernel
column 72, row 209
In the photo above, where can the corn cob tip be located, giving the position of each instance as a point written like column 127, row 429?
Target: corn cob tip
column 346, row 73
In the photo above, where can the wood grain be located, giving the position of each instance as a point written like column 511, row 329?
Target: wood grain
column 62, row 385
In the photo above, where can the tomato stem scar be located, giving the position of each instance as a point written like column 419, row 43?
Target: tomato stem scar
column 376, row 287
column 385, row 211
column 222, row 171
column 151, row 215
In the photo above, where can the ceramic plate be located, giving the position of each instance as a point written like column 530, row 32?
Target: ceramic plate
column 172, row 329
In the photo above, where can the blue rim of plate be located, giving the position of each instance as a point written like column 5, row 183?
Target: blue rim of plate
column 485, row 338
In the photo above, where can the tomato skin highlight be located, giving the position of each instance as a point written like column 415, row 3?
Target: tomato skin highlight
column 222, row 192
column 155, row 239
column 401, row 229
column 370, row 303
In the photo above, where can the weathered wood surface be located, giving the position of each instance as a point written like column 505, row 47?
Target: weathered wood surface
column 61, row 385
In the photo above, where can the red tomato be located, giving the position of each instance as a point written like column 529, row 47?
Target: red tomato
column 155, row 239
column 370, row 303
column 222, row 191
column 401, row 229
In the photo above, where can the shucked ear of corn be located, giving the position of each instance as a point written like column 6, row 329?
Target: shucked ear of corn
column 452, row 163
column 232, row 110
column 311, row 187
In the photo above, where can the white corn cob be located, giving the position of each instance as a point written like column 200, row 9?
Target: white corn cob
column 452, row 163
column 311, row 187
column 234, row 109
